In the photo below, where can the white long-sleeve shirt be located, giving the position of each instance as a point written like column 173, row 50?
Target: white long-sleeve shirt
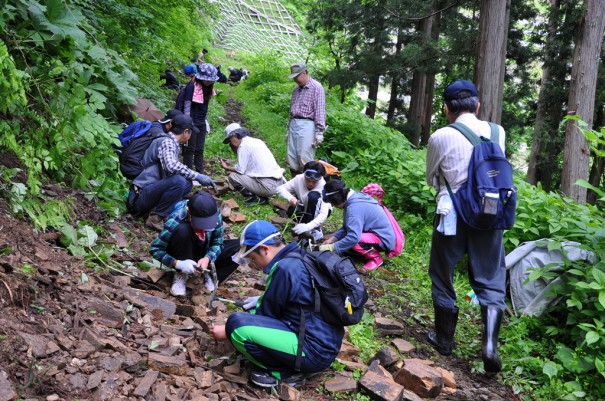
column 296, row 188
column 449, row 153
column 254, row 159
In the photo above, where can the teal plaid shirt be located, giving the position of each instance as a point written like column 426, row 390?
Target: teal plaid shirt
column 211, row 247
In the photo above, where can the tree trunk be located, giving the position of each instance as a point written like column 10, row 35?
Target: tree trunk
column 541, row 128
column 430, row 84
column 372, row 95
column 581, row 97
column 598, row 165
column 491, row 55
column 395, row 80
column 419, row 88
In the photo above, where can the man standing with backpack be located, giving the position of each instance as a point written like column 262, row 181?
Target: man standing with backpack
column 283, row 324
column 164, row 180
column 448, row 158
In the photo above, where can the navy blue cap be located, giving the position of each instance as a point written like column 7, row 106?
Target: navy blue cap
column 203, row 211
column 184, row 122
column 452, row 91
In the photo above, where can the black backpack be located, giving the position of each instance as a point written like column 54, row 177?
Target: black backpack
column 131, row 155
column 179, row 104
column 339, row 290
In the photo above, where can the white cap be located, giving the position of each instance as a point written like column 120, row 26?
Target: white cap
column 231, row 127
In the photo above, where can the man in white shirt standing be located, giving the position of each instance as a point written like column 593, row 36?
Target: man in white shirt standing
column 256, row 174
column 448, row 158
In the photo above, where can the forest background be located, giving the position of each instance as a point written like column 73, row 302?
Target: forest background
column 69, row 66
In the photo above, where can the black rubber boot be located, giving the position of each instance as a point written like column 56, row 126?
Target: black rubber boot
column 491, row 319
column 445, row 327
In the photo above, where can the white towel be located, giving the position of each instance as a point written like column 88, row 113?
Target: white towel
column 448, row 219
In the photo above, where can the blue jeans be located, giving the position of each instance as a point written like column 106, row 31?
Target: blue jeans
column 162, row 195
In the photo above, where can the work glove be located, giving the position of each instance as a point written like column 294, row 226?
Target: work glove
column 301, row 228
column 186, row 266
column 327, row 247
column 250, row 303
column 206, row 181
column 319, row 138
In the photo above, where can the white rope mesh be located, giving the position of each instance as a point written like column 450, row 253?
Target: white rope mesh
column 253, row 25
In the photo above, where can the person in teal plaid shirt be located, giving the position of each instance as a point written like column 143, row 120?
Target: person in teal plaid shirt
column 192, row 238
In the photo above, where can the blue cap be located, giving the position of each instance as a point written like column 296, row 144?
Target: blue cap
column 256, row 232
column 452, row 91
column 190, row 69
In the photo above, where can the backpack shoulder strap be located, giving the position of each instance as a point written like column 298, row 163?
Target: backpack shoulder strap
column 495, row 133
column 466, row 131
column 302, row 327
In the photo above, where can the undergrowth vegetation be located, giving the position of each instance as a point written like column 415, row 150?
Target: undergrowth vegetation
column 559, row 355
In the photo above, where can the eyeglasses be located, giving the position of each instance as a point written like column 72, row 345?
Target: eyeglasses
column 312, row 174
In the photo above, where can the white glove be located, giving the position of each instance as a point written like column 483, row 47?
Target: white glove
column 301, row 228
column 319, row 138
column 250, row 303
column 186, row 266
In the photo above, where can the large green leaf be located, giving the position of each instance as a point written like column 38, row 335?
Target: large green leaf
column 87, row 236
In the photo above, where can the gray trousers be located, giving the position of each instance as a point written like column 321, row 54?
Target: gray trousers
column 486, row 268
column 260, row 186
column 300, row 150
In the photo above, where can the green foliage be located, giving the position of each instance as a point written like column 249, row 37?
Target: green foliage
column 364, row 337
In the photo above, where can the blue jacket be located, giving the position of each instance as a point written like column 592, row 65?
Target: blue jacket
column 288, row 290
column 362, row 214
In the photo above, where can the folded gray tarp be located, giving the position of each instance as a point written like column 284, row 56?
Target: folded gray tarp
column 534, row 297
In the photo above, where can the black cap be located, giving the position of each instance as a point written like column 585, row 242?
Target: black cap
column 170, row 116
column 183, row 122
column 453, row 91
column 203, row 211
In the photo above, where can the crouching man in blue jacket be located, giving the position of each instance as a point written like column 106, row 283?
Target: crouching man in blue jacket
column 269, row 335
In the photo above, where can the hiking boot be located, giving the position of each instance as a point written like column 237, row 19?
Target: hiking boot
column 155, row 222
column 179, row 284
column 256, row 200
column 263, row 379
column 296, row 380
column 208, row 283
column 246, row 193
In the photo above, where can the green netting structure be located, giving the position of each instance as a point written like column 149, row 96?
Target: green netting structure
column 253, row 25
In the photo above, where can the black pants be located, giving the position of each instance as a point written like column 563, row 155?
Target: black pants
column 184, row 245
column 306, row 213
column 193, row 151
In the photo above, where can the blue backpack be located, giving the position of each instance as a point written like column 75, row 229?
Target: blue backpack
column 133, row 131
column 487, row 200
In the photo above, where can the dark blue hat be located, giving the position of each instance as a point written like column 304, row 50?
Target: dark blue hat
column 203, row 211
column 190, row 69
column 452, row 91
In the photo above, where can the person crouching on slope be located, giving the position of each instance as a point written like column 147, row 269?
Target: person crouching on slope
column 269, row 337
column 366, row 229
